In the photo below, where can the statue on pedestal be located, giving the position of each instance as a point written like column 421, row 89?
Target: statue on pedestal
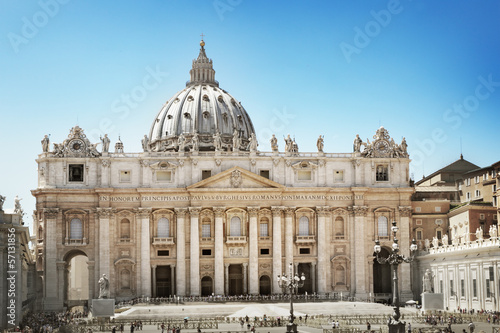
column 274, row 143
column 195, row 142
column 236, row 140
column 288, row 144
column 17, row 205
column 253, row 142
column 435, row 242
column 45, row 144
column 445, row 240
column 320, row 144
column 2, row 200
column 145, row 143
column 217, row 141
column 105, row 143
column 479, row 233
column 493, row 231
column 103, row 287
column 357, row 144
column 427, row 282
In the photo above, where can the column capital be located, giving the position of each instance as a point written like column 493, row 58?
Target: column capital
column 172, row 265
column 144, row 212
column 358, row 210
column 253, row 211
column 323, row 210
column 289, row 211
column 276, row 210
column 60, row 265
column 50, row 213
column 194, row 210
column 405, row 211
column 154, row 266
column 181, row 212
column 313, row 264
column 104, row 213
column 219, row 211
column 245, row 264
column 226, row 265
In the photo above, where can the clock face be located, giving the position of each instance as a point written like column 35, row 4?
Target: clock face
column 382, row 146
column 76, row 146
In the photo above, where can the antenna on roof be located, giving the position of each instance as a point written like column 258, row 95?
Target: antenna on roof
column 461, row 155
column 423, row 170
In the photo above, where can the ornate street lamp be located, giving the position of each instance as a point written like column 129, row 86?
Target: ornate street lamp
column 394, row 259
column 291, row 282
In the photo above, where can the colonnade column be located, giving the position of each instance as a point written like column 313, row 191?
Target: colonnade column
column 50, row 301
column 323, row 213
column 359, row 250
column 194, row 255
column 61, row 268
column 145, row 269
column 289, row 211
column 91, row 278
column 276, row 248
column 172, row 280
column 104, row 215
column 181, row 252
column 153, row 276
column 219, row 251
column 404, row 239
column 245, row 278
column 226, row 279
column 313, row 276
column 253, row 249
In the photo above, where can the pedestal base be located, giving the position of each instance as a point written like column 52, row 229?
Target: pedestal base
column 103, row 307
column 432, row 301
column 291, row 328
column 397, row 327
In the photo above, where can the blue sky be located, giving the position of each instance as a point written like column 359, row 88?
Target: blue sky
column 428, row 71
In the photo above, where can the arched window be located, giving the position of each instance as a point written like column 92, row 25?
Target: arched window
column 304, row 226
column 383, row 226
column 235, row 226
column 339, row 227
column 206, row 227
column 264, row 227
column 163, row 228
column 125, row 279
column 125, row 228
column 75, row 229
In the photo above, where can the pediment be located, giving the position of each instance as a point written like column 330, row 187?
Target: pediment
column 236, row 177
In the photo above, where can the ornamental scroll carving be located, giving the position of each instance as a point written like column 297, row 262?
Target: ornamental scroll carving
column 253, row 211
column 289, row 211
column 194, row 211
column 51, row 213
column 144, row 212
column 207, row 213
column 105, row 213
column 360, row 210
column 382, row 146
column 236, row 178
column 105, row 163
column 219, row 211
column 405, row 211
column 181, row 212
column 323, row 211
column 276, row 211
column 76, row 145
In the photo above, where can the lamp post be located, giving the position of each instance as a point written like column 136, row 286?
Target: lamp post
column 291, row 282
column 394, row 259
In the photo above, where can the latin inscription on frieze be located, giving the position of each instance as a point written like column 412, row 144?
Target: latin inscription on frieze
column 235, row 197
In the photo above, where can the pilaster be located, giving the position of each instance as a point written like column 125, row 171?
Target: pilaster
column 181, row 251
column 143, row 217
column 51, row 301
column 404, row 240
column 276, row 247
column 359, row 250
column 194, row 255
column 253, row 249
column 245, row 278
column 323, row 212
column 289, row 212
column 104, row 214
column 219, row 251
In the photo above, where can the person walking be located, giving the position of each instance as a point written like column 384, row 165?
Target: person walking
column 471, row 327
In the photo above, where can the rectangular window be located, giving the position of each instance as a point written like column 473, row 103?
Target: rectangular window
column 467, row 196
column 441, row 286
column 206, row 252
column 206, row 174
column 419, row 222
column 439, row 234
column 205, row 230
column 494, row 188
column 476, row 179
column 488, row 289
column 481, row 216
column 477, row 193
column 264, row 230
column 338, row 176
column 264, row 173
column 495, row 217
column 451, row 288
column 467, row 182
column 305, row 250
column 485, row 176
column 460, row 186
column 419, row 234
column 418, row 209
column 492, row 274
column 125, row 176
column 462, row 288
column 163, row 176
column 264, row 251
column 437, row 209
column 474, row 288
column 382, row 173
column 304, row 175
column 75, row 172
column 163, row 253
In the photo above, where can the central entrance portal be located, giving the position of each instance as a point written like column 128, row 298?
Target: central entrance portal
column 235, row 280
column 163, row 281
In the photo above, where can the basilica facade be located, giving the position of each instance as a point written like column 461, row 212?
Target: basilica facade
column 201, row 211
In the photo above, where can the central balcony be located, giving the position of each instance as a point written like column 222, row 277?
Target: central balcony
column 233, row 240
column 301, row 240
column 163, row 241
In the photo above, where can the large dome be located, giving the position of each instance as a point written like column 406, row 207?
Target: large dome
column 203, row 110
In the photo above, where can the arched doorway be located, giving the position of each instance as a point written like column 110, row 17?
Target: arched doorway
column 163, row 281
column 235, row 280
column 382, row 281
column 206, row 286
column 76, row 279
column 308, row 283
column 265, row 285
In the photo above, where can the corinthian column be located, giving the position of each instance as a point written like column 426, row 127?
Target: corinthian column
column 253, row 249
column 289, row 211
column 145, row 276
column 104, row 240
column 404, row 243
column 181, row 251
column 359, row 250
column 276, row 247
column 51, row 301
column 219, row 251
column 194, row 255
column 323, row 213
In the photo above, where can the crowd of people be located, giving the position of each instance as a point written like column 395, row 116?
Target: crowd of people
column 46, row 322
